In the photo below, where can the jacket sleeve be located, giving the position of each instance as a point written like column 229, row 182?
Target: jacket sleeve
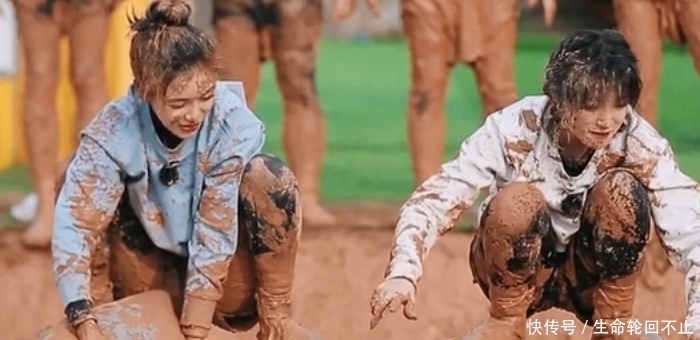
column 676, row 213
column 86, row 204
column 435, row 205
column 215, row 231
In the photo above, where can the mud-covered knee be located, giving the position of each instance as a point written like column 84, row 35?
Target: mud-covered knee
column 618, row 215
column 427, row 93
column 269, row 203
column 296, row 74
column 517, row 209
column 513, row 227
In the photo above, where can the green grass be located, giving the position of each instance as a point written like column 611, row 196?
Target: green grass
column 364, row 86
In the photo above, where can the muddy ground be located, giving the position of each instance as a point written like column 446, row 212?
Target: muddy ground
column 337, row 272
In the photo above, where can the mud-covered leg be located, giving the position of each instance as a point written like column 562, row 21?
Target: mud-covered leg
column 88, row 32
column 688, row 17
column 136, row 265
column 237, row 311
column 271, row 213
column 495, row 70
column 238, row 25
column 40, row 34
column 295, row 42
column 639, row 23
column 507, row 260
column 615, row 227
column 429, row 48
column 656, row 265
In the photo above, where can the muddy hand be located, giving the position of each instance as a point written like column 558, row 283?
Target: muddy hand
column 391, row 295
column 90, row 330
column 343, row 9
column 550, row 10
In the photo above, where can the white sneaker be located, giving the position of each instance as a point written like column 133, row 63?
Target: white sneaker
column 25, row 211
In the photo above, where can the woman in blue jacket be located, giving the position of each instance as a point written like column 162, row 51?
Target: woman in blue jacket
column 170, row 180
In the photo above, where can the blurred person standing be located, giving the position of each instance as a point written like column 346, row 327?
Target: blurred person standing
column 42, row 24
column 441, row 34
column 248, row 33
column 645, row 24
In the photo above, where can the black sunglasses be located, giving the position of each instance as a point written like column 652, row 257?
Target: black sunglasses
column 169, row 175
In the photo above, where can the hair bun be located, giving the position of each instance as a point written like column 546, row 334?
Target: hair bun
column 168, row 13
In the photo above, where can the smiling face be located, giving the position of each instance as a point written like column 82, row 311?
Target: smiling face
column 595, row 128
column 186, row 101
column 592, row 77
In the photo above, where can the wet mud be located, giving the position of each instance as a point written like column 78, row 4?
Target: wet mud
column 337, row 271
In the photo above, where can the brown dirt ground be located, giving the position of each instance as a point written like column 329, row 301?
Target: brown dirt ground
column 337, row 272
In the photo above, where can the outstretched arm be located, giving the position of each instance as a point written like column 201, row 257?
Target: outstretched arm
column 435, row 205
column 676, row 211
column 85, row 206
column 215, row 232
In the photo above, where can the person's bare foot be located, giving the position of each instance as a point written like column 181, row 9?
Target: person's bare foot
column 38, row 234
column 314, row 215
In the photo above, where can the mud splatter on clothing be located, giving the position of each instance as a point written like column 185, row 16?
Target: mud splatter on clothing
column 512, row 146
column 194, row 217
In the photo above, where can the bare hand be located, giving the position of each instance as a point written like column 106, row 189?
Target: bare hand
column 391, row 295
column 90, row 330
column 550, row 10
column 343, row 9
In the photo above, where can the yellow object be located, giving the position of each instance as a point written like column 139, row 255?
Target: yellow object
column 7, row 123
column 12, row 149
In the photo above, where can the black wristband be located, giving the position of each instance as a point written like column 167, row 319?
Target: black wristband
column 77, row 310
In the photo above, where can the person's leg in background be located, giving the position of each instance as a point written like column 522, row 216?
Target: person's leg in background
column 688, row 16
column 639, row 23
column 40, row 33
column 87, row 26
column 238, row 27
column 432, row 53
column 295, row 40
column 495, row 68
column 88, row 33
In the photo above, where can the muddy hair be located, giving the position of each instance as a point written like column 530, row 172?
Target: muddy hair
column 586, row 70
column 165, row 44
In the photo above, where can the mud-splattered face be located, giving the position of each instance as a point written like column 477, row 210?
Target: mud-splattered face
column 186, row 102
column 595, row 128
